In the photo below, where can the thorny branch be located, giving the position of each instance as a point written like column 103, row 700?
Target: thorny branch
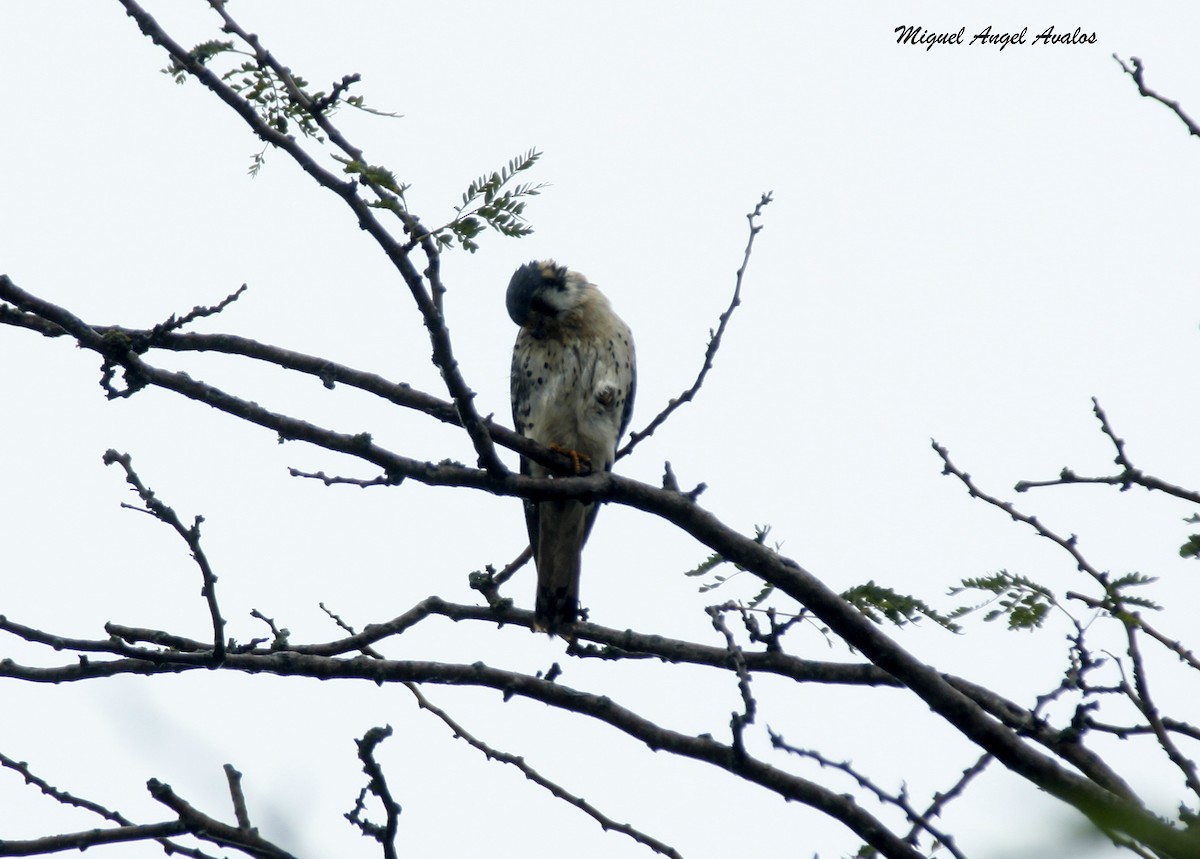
column 1130, row 475
column 714, row 341
column 198, row 312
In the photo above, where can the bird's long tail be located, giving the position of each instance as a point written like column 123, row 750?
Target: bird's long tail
column 562, row 528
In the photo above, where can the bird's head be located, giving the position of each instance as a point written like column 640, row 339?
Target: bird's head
column 543, row 289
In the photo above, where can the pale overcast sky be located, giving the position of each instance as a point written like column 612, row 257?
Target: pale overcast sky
column 966, row 243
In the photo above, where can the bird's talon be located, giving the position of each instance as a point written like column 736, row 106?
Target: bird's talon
column 577, row 458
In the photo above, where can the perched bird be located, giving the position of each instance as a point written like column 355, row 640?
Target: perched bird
column 573, row 378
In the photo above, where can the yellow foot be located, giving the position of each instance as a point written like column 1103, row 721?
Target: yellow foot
column 577, row 458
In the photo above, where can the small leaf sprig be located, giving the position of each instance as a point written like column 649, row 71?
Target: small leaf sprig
column 282, row 100
column 488, row 202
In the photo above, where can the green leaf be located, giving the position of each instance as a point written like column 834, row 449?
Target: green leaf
column 502, row 212
column 1190, row 549
column 878, row 602
column 1022, row 601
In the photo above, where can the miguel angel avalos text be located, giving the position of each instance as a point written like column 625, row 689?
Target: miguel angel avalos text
column 913, row 35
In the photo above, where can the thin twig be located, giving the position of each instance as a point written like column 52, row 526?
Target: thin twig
column 1137, row 73
column 1145, row 703
column 234, row 778
column 210, row 829
column 488, row 581
column 1067, row 543
column 606, row 823
column 714, row 341
column 530, row 773
column 900, row 800
column 1176, row 647
column 381, row 480
column 1125, row 731
column 377, row 786
column 191, row 536
column 1130, row 475
column 515, row 564
column 128, row 831
column 197, row 312
column 942, row 799
column 738, row 722
column 336, row 618
column 80, row 841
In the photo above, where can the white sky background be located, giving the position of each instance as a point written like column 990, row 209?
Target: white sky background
column 965, row 244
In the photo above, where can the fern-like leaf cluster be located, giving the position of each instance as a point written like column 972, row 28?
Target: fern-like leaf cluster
column 1021, row 601
column 878, row 602
column 488, row 202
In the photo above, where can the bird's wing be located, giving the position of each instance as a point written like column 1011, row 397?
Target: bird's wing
column 520, row 392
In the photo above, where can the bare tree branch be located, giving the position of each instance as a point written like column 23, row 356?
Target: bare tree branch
column 1144, row 702
column 197, row 312
column 1130, row 475
column 93, row 838
column 738, row 722
column 138, row 661
column 126, row 830
column 210, row 829
column 191, row 536
column 1138, row 75
column 235, row 794
column 1176, row 647
column 942, row 799
column 672, row 506
column 714, row 341
column 330, row 373
column 606, row 823
column 1066, row 543
column 377, row 786
column 900, row 800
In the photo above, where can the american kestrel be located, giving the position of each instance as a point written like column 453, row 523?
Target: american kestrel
column 573, row 378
